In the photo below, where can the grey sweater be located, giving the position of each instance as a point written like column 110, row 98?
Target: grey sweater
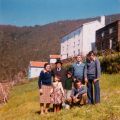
column 93, row 69
column 79, row 71
column 76, row 92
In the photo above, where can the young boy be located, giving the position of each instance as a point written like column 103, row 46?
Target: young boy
column 68, row 84
column 79, row 93
column 68, row 88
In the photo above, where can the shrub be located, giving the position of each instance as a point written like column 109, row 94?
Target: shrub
column 110, row 63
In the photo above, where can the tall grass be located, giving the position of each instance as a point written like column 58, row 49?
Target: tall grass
column 24, row 104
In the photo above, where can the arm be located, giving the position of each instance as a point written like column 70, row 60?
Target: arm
column 51, row 91
column 40, row 79
column 61, row 87
column 72, row 93
column 84, row 90
column 98, row 70
column 85, row 74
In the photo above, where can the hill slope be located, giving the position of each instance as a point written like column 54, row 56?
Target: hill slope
column 24, row 104
column 19, row 45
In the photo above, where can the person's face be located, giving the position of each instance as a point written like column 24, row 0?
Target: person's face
column 78, row 84
column 48, row 68
column 92, row 57
column 58, row 65
column 57, row 79
column 69, row 76
column 79, row 58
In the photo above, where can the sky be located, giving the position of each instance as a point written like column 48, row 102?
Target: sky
column 40, row 12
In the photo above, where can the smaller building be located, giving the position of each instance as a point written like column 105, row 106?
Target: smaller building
column 108, row 37
column 34, row 69
column 53, row 58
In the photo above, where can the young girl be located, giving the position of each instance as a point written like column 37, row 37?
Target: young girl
column 57, row 94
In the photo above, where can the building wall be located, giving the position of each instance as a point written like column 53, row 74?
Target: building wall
column 107, row 37
column 53, row 60
column 81, row 40
column 89, row 36
column 34, row 72
column 70, row 44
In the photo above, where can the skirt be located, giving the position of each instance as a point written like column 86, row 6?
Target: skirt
column 45, row 97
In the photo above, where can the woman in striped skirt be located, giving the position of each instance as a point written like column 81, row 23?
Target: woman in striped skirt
column 44, row 83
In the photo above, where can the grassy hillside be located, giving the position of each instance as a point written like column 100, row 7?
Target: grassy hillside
column 24, row 104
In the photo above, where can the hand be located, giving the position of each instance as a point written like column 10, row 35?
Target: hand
column 74, row 79
column 95, row 80
column 86, row 80
column 40, row 91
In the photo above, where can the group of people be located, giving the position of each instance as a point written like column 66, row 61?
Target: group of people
column 66, row 88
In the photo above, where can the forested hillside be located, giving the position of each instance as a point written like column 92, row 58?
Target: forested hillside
column 19, row 45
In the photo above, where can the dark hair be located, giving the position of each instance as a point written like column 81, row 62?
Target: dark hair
column 69, row 72
column 46, row 65
column 59, row 61
column 76, row 81
column 81, row 80
column 91, row 52
column 57, row 76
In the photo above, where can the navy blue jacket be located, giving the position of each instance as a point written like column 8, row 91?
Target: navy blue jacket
column 45, row 78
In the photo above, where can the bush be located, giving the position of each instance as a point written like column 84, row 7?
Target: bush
column 110, row 63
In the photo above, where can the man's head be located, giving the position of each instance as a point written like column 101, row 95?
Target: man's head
column 58, row 64
column 69, row 74
column 91, row 55
column 79, row 58
column 78, row 83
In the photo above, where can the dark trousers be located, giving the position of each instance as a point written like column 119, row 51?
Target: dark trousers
column 90, row 85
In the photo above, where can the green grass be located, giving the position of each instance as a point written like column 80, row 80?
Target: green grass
column 24, row 104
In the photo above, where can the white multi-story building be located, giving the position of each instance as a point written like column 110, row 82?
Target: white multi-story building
column 81, row 40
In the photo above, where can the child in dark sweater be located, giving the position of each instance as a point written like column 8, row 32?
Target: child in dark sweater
column 68, row 84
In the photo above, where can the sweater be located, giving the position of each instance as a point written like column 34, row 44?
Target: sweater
column 79, row 70
column 93, row 69
column 44, row 79
column 78, row 91
column 68, row 83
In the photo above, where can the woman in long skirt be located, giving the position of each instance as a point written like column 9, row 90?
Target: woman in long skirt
column 44, row 84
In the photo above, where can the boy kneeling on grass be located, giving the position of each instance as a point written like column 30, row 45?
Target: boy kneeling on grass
column 78, row 94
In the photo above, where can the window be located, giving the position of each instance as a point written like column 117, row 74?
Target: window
column 78, row 42
column 74, row 44
column 103, row 34
column 78, row 51
column 110, row 30
column 74, row 53
column 110, row 44
column 102, row 45
column 67, row 46
column 63, row 48
column 67, row 55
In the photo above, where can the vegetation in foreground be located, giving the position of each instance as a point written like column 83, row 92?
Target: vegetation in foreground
column 24, row 104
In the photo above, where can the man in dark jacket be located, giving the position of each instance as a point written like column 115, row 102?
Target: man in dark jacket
column 60, row 72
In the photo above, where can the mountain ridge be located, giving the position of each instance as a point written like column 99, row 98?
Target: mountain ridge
column 19, row 45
